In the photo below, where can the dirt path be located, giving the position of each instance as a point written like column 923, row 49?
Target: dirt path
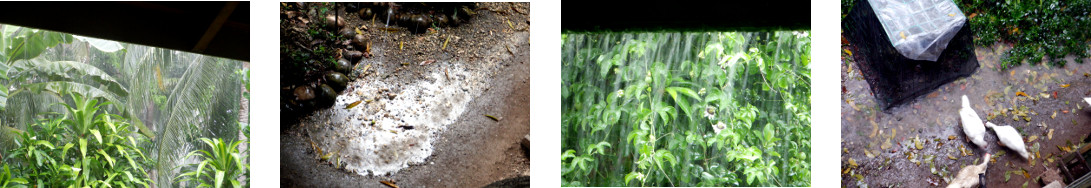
column 882, row 144
column 471, row 152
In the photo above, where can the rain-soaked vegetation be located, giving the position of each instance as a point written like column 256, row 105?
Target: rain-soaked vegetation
column 1037, row 29
column 84, row 112
column 686, row 109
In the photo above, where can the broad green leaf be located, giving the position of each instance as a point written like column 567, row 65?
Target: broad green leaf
column 768, row 133
column 83, row 147
column 219, row 179
column 604, row 65
column 98, row 136
column 107, row 156
column 687, row 91
column 568, row 154
column 28, row 43
column 19, row 180
column 100, row 44
column 600, row 147
column 664, row 154
column 43, row 143
column 634, row 174
column 76, row 72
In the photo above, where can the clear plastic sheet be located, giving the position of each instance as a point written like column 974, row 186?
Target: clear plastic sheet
column 919, row 29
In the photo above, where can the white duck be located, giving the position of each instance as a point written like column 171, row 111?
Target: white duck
column 967, row 177
column 971, row 124
column 1088, row 100
column 1011, row 138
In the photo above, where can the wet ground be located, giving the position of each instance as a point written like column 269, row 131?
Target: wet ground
column 921, row 143
column 478, row 68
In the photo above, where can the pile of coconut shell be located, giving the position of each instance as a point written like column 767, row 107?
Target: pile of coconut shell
column 416, row 17
column 318, row 47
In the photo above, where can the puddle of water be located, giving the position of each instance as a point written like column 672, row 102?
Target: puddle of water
column 396, row 122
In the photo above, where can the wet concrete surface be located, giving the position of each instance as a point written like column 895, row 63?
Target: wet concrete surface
column 471, row 152
column 880, row 148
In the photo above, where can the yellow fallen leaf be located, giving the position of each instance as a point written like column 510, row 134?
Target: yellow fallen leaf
column 903, row 34
column 1020, row 93
column 1032, row 138
column 874, row 129
column 353, row 104
column 917, row 142
column 848, row 52
column 1064, row 86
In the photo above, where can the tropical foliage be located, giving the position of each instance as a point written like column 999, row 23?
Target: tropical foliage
column 686, row 109
column 84, row 147
column 167, row 97
column 222, row 166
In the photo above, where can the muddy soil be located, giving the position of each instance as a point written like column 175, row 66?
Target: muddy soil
column 880, row 148
column 471, row 152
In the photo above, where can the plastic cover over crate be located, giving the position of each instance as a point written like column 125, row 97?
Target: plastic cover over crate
column 893, row 78
column 919, row 29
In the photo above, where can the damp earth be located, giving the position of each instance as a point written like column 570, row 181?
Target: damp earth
column 922, row 141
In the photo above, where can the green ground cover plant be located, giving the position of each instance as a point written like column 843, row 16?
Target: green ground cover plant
column 1037, row 29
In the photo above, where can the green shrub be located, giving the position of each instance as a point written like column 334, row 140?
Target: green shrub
column 1037, row 29
column 81, row 148
column 9, row 180
column 221, row 166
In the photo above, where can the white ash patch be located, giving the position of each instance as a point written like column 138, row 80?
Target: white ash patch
column 397, row 121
